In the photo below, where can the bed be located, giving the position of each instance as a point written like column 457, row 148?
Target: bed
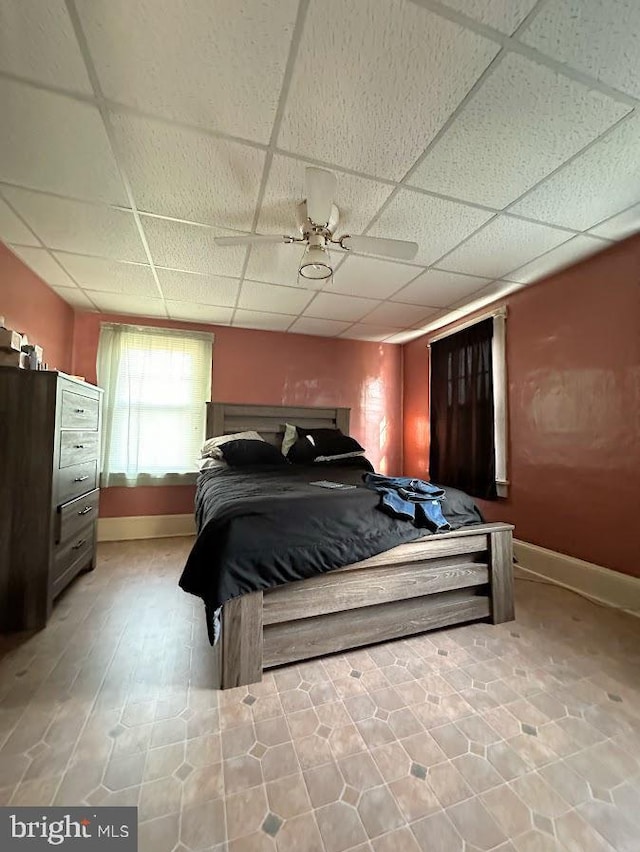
column 434, row 581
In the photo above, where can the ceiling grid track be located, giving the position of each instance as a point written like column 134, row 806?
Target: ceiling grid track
column 106, row 120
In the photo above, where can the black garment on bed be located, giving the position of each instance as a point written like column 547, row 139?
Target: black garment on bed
column 262, row 527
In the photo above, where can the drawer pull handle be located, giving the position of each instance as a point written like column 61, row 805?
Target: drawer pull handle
column 78, row 446
column 80, row 410
column 79, row 544
column 86, row 510
column 80, row 478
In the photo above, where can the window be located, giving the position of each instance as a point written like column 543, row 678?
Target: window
column 156, row 382
column 468, row 408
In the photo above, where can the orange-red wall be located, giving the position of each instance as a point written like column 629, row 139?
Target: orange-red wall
column 573, row 361
column 29, row 306
column 277, row 369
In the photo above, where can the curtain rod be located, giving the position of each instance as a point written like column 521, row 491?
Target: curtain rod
column 499, row 312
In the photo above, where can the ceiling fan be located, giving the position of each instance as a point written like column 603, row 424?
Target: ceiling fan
column 317, row 219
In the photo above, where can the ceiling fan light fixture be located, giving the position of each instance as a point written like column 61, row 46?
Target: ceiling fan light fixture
column 315, row 264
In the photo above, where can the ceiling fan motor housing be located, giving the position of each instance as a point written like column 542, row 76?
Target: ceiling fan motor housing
column 307, row 227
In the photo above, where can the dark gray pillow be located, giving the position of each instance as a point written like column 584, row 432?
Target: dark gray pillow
column 247, row 453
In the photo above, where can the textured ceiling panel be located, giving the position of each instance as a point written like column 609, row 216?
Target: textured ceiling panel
column 37, row 42
column 212, row 63
column 256, row 296
column 539, row 118
column 195, row 312
column 12, row 229
column 504, row 15
column 503, row 245
column 189, row 175
column 335, row 307
column 57, row 144
column 203, row 289
column 373, row 333
column 119, row 303
column 397, row 315
column 618, row 227
column 374, row 82
column 370, row 277
column 404, row 336
column 596, row 185
column 567, row 254
column 191, row 248
column 435, row 224
column 78, row 227
column 598, row 37
column 436, row 288
column 97, row 273
column 75, row 297
column 264, row 321
column 358, row 199
column 40, row 261
column 321, row 327
column 276, row 264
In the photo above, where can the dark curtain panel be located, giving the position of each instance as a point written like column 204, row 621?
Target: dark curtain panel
column 462, row 451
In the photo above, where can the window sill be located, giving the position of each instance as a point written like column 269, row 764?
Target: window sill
column 123, row 480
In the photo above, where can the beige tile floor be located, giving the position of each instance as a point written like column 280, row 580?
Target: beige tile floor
column 520, row 737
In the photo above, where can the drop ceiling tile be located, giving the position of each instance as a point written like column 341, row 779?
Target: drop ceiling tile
column 119, row 303
column 13, row 229
column 373, row 333
column 260, row 320
column 40, row 261
column 597, row 184
column 187, row 174
column 37, row 42
column 370, row 277
column 336, row 307
column 110, row 276
column 404, row 336
column 502, row 245
column 492, row 293
column 374, row 82
column 56, row 144
column 78, row 227
column 75, row 297
column 276, row 264
column 191, row 248
column 620, row 226
column 318, row 327
column 522, row 123
column 435, row 224
column 504, row 15
column 221, row 65
column 574, row 250
column 436, row 288
column 358, row 199
column 257, row 296
column 196, row 312
column 200, row 289
column 598, row 38
column 396, row 315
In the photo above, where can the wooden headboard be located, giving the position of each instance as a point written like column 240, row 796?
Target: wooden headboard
column 224, row 418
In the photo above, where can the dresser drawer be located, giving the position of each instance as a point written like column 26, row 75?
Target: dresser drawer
column 77, row 447
column 75, row 515
column 72, row 557
column 76, row 480
column 78, row 411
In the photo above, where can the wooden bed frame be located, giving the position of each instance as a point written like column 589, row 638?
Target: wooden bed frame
column 439, row 581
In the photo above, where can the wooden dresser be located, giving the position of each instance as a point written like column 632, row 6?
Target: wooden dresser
column 49, row 497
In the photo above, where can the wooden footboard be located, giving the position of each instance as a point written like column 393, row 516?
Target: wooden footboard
column 438, row 581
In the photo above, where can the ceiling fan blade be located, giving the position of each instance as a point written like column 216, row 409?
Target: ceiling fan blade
column 400, row 249
column 321, row 189
column 245, row 239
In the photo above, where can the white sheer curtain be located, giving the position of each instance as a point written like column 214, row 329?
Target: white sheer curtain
column 156, row 382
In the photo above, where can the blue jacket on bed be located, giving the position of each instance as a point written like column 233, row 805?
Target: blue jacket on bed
column 410, row 499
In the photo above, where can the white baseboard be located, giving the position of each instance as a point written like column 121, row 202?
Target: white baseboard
column 145, row 526
column 593, row 581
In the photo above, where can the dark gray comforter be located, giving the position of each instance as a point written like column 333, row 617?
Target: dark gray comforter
column 262, row 527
